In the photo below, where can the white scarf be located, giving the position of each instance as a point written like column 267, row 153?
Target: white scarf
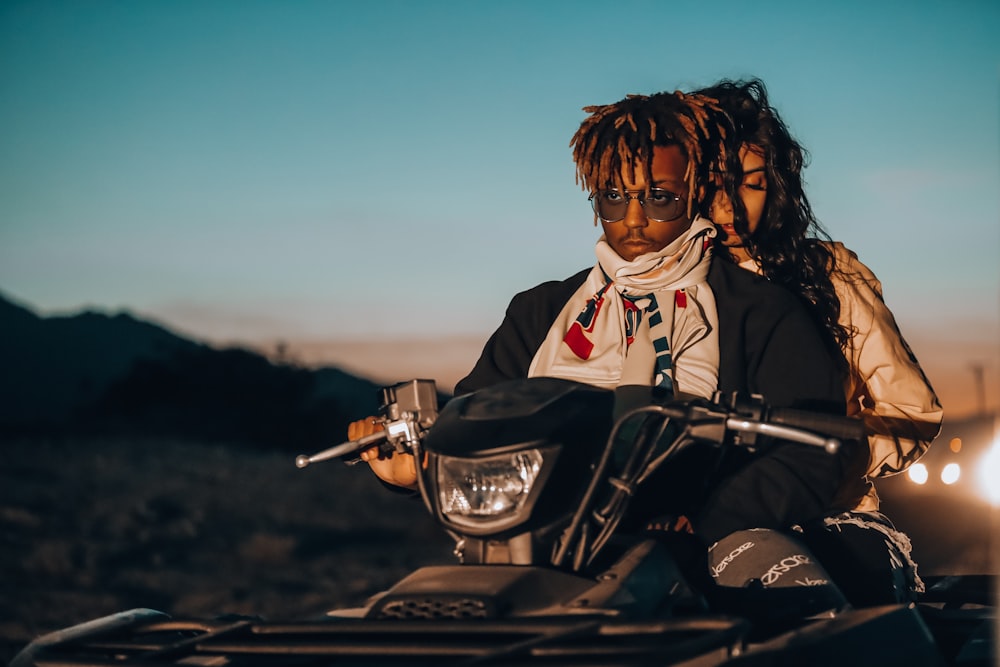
column 674, row 321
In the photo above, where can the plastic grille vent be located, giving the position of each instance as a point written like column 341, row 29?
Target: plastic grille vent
column 435, row 607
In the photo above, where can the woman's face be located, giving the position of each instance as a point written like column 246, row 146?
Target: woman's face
column 753, row 192
column 636, row 234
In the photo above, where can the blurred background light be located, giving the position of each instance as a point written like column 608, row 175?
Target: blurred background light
column 950, row 473
column 989, row 473
column 918, row 473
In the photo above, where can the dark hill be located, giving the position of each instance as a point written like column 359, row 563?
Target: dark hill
column 54, row 365
column 95, row 373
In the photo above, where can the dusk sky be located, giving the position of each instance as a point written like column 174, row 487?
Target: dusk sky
column 344, row 172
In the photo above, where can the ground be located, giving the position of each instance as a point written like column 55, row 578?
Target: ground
column 92, row 527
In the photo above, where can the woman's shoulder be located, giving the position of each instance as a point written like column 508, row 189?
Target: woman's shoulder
column 848, row 268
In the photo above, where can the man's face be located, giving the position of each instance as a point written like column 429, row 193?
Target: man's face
column 636, row 234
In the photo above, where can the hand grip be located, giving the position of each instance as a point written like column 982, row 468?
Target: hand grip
column 834, row 426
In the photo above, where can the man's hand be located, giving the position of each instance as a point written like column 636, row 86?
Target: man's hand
column 393, row 468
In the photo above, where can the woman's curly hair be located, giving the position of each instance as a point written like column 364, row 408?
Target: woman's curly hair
column 789, row 244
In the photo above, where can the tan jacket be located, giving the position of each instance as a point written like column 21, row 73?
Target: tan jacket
column 886, row 385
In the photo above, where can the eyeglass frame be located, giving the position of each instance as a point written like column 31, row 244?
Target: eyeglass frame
column 641, row 198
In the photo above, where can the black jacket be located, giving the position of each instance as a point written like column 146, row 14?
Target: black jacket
column 768, row 345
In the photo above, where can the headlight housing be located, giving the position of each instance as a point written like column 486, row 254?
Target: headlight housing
column 514, row 458
column 490, row 493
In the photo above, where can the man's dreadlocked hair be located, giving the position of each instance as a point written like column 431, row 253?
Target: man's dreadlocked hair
column 789, row 243
column 623, row 134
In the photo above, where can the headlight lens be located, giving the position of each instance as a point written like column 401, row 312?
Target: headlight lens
column 487, row 489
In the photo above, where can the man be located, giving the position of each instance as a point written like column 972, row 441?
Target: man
column 657, row 310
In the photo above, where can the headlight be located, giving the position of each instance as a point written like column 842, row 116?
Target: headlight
column 950, row 473
column 917, row 473
column 488, row 490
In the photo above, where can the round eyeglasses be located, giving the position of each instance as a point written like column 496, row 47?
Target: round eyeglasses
column 658, row 205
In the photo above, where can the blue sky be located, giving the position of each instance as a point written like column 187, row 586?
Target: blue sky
column 262, row 169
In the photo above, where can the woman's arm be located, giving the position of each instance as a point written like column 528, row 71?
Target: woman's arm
column 886, row 387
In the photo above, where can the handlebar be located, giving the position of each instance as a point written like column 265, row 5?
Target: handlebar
column 831, row 445
column 745, row 417
column 408, row 409
column 343, row 449
column 834, row 426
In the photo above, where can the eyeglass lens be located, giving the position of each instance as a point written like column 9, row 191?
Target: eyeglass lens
column 659, row 205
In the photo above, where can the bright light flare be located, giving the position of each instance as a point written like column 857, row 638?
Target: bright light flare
column 950, row 473
column 917, row 473
column 989, row 473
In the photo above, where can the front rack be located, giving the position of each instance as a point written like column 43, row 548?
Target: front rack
column 586, row 640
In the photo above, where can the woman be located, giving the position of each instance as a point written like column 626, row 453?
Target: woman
column 768, row 227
